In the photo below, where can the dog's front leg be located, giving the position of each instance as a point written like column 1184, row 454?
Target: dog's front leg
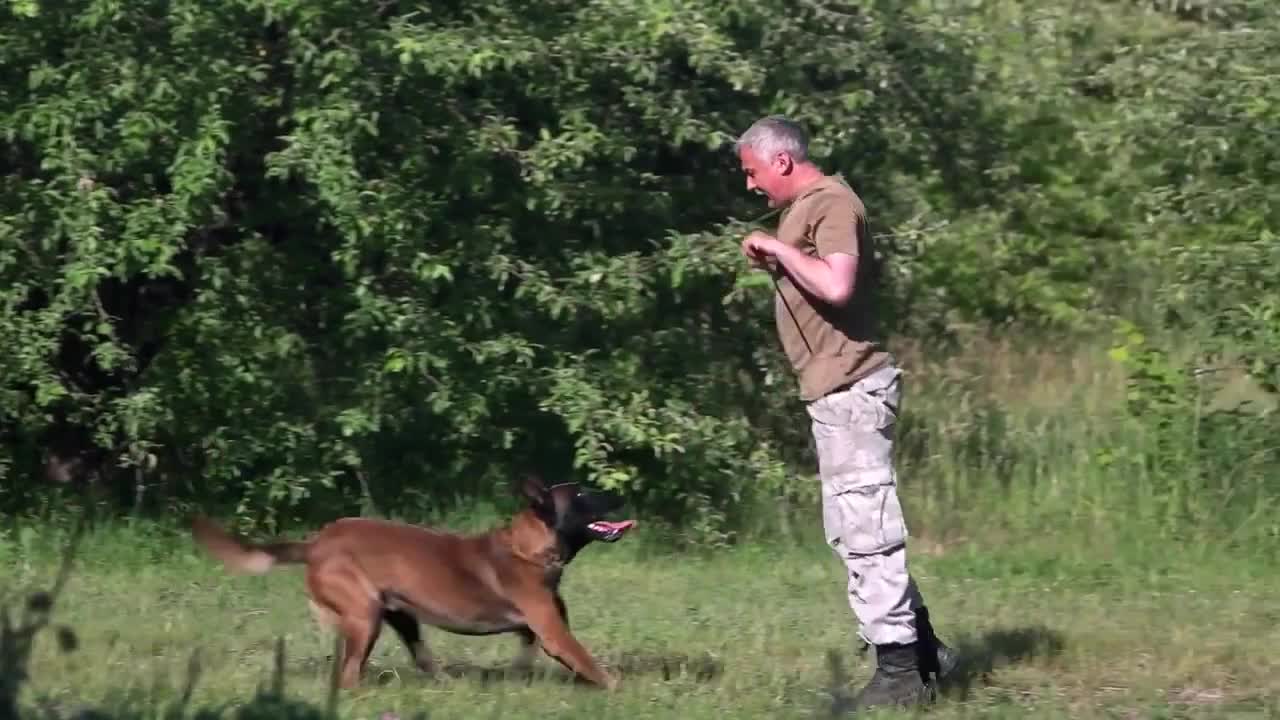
column 546, row 621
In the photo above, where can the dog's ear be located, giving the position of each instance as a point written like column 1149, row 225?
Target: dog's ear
column 533, row 490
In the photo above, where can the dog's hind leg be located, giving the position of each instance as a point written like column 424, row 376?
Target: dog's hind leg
column 338, row 585
column 528, row 651
column 323, row 616
column 406, row 626
column 361, row 635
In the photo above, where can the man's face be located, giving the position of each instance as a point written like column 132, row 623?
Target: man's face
column 766, row 175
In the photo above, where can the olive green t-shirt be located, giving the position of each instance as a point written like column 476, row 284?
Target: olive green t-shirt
column 827, row 218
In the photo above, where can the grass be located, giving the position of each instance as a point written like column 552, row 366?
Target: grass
column 1049, row 631
column 1082, row 573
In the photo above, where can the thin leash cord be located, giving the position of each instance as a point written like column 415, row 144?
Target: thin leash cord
column 790, row 312
column 773, row 275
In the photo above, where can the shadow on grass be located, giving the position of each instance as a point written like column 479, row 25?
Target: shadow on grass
column 980, row 656
column 994, row 649
column 666, row 667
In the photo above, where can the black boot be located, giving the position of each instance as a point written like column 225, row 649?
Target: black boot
column 935, row 657
column 897, row 681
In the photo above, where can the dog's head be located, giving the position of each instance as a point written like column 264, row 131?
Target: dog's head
column 576, row 515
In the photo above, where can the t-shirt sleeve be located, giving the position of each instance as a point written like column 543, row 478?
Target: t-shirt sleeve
column 838, row 226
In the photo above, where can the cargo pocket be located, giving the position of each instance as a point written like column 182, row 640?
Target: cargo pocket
column 864, row 520
column 853, row 439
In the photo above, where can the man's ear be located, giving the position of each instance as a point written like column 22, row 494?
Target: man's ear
column 784, row 162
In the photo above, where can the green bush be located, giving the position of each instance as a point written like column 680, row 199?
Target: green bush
column 292, row 260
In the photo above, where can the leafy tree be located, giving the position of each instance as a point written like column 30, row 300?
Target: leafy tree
column 292, row 257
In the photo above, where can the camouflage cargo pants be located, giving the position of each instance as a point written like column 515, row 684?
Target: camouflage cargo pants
column 853, row 431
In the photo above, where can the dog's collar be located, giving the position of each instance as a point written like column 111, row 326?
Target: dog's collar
column 552, row 561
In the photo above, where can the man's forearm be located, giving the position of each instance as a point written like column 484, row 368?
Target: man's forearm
column 814, row 275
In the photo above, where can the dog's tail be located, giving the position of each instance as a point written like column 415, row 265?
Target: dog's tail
column 241, row 557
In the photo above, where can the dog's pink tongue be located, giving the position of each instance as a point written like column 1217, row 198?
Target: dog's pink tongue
column 622, row 526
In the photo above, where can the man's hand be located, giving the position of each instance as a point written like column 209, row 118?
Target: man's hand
column 761, row 250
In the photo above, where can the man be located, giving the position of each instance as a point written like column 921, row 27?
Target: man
column 852, row 389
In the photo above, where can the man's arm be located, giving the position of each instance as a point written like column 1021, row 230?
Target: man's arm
column 831, row 275
column 830, row 279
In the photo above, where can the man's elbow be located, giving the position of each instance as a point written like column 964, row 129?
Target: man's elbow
column 841, row 279
column 840, row 293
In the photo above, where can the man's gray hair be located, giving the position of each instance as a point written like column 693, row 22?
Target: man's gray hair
column 771, row 135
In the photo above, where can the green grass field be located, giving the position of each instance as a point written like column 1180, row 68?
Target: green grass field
column 1048, row 631
column 1076, row 587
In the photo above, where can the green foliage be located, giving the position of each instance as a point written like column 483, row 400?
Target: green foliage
column 259, row 253
column 1198, row 127
column 1231, row 290
column 302, row 258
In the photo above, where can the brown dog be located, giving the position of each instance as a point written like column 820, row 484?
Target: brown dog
column 361, row 572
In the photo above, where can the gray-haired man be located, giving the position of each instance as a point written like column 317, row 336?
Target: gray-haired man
column 852, row 389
